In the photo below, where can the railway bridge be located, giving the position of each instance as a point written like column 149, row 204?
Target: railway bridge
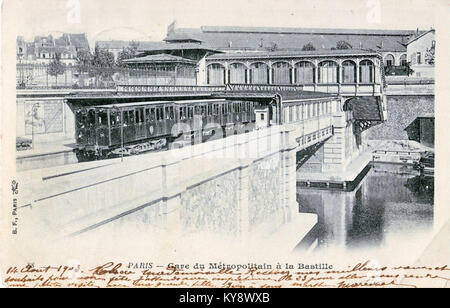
column 242, row 186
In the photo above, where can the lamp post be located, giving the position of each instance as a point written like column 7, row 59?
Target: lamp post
column 33, row 111
column 121, row 132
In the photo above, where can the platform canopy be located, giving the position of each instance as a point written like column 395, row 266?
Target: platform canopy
column 159, row 58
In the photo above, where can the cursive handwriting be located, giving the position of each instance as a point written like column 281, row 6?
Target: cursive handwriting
column 116, row 275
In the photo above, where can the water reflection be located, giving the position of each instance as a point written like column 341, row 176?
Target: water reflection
column 391, row 200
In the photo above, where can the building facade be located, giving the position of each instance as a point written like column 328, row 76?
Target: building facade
column 421, row 54
column 43, row 49
column 391, row 44
column 33, row 59
column 337, row 71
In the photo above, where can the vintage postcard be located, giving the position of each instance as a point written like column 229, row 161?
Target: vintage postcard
column 225, row 144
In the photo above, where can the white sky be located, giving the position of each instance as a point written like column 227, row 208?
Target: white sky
column 148, row 20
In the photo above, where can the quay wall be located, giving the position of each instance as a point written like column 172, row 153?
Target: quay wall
column 401, row 110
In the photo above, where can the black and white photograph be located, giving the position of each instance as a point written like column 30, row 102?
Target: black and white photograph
column 224, row 144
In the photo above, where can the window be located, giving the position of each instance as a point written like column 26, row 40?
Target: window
column 102, row 118
column 366, row 71
column 328, row 72
column 125, row 118
column 131, row 117
column 152, row 114
column 215, row 74
column 259, row 73
column 389, row 60
column 262, row 116
column 237, row 73
column 403, row 60
column 281, row 73
column 304, row 73
column 419, row 57
column 348, row 72
column 114, row 118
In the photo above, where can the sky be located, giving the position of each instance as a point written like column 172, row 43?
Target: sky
column 148, row 20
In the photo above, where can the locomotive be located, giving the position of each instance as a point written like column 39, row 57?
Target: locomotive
column 104, row 131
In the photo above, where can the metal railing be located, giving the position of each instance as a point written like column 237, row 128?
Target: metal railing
column 168, row 89
column 127, row 88
column 261, row 87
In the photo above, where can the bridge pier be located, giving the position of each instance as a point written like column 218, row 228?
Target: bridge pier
column 340, row 159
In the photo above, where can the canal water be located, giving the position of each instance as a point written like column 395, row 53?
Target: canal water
column 390, row 202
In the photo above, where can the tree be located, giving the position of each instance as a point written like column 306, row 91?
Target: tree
column 128, row 52
column 308, row 47
column 343, row 45
column 429, row 55
column 83, row 61
column 102, row 64
column 56, row 68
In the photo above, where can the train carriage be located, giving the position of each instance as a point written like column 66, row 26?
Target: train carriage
column 101, row 129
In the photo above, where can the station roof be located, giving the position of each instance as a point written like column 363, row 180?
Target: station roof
column 261, row 38
column 163, row 46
